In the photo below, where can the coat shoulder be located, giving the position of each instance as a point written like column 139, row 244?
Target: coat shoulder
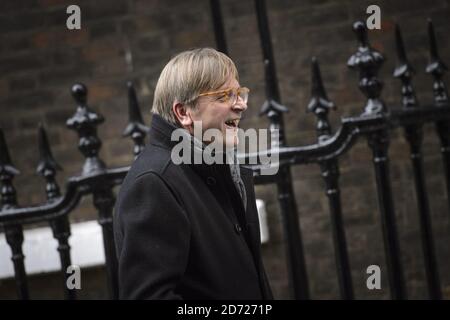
column 152, row 166
column 153, row 159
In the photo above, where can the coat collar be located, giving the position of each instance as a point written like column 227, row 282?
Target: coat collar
column 161, row 131
column 160, row 135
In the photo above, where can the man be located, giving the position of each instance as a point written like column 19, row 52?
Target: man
column 190, row 230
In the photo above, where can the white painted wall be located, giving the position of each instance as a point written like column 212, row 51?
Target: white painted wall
column 41, row 256
column 86, row 242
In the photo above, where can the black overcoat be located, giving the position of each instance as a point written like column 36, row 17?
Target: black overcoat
column 182, row 231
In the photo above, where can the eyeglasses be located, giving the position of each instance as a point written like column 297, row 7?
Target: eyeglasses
column 229, row 95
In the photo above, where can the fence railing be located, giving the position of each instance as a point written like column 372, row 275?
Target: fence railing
column 374, row 124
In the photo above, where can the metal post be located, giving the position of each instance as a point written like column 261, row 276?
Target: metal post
column 60, row 226
column 104, row 201
column 13, row 232
column 85, row 122
column 219, row 32
column 414, row 135
column 368, row 61
column 273, row 109
column 437, row 69
column 320, row 106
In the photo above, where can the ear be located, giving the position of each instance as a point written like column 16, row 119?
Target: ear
column 183, row 114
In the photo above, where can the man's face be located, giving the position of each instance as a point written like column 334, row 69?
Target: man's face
column 216, row 113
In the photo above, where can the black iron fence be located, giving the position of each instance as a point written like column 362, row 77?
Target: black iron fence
column 375, row 124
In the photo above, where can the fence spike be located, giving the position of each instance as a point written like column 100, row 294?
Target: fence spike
column 437, row 69
column 271, row 108
column 368, row 61
column 47, row 161
column 319, row 103
column 133, row 111
column 433, row 45
column 404, row 71
column 79, row 93
column 5, row 160
column 7, row 173
column 401, row 53
column 136, row 128
column 85, row 122
column 47, row 166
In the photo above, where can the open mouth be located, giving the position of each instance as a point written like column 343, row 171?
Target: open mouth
column 232, row 123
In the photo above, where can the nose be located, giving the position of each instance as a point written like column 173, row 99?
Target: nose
column 240, row 105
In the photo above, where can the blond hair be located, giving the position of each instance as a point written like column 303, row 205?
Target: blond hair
column 189, row 74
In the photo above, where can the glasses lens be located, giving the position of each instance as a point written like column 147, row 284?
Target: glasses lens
column 243, row 94
column 232, row 96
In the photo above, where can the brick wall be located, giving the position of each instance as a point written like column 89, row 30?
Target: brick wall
column 124, row 40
